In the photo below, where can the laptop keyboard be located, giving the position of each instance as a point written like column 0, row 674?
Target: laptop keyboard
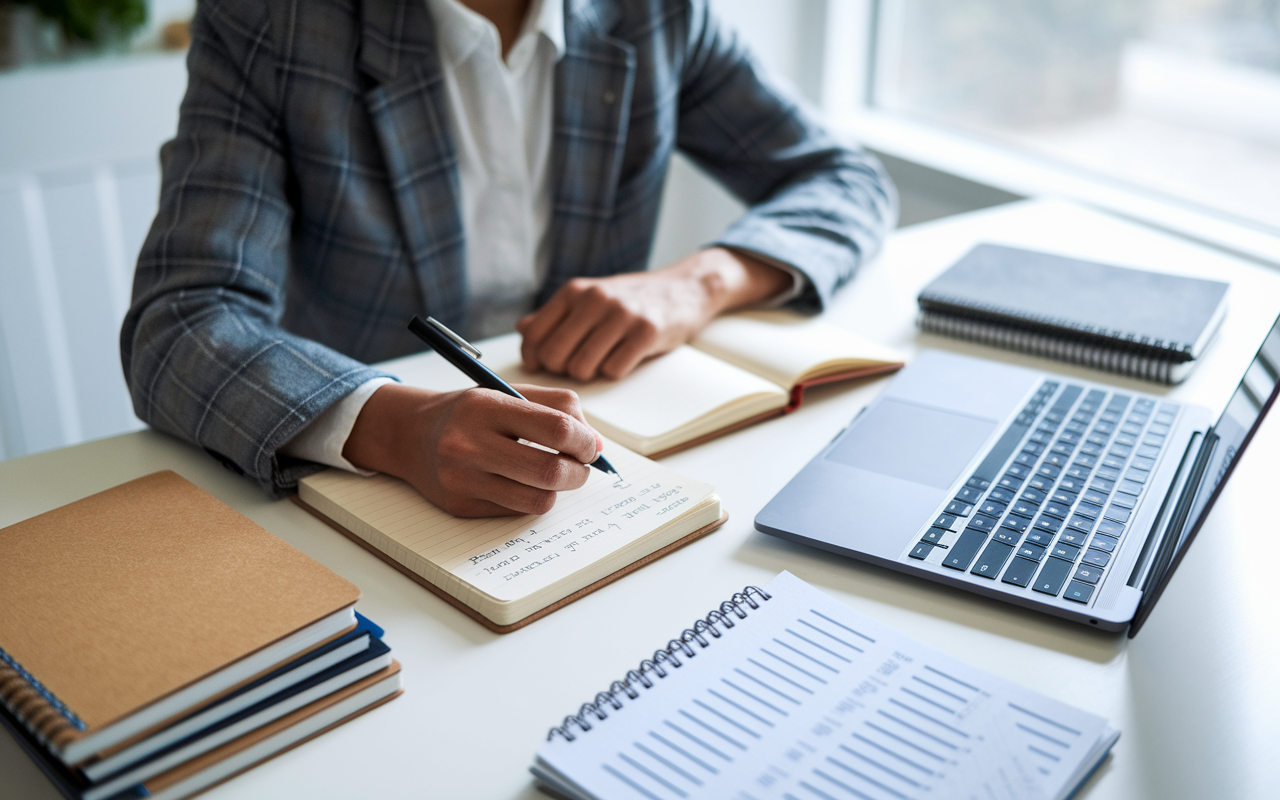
column 1049, row 504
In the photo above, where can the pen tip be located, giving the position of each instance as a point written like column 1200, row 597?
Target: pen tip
column 601, row 463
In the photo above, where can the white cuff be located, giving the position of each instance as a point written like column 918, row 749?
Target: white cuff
column 798, row 279
column 322, row 441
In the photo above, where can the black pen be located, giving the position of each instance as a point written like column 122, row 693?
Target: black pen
column 460, row 353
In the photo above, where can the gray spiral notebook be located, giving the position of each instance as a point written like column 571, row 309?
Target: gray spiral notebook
column 1139, row 323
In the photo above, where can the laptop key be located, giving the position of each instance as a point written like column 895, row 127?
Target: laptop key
column 1089, row 510
column 1087, row 574
column 1049, row 471
column 1034, row 552
column 1124, row 500
column 1088, row 462
column 1089, row 449
column 1016, row 523
column 1056, row 509
column 991, row 507
column 1080, row 523
column 1102, row 484
column 934, row 535
column 1042, row 538
column 1019, row 572
column 1048, row 524
column 921, row 551
column 1106, row 544
column 959, row 509
column 1148, row 451
column 944, row 520
column 1131, row 487
column 1025, row 459
column 1024, row 508
column 968, row 494
column 1125, row 440
column 1071, row 537
column 1052, row 575
column 1110, row 528
column 1096, row 497
column 1118, row 514
column 992, row 559
column 1007, row 535
column 1078, row 591
column 1078, row 471
column 1113, row 461
column 983, row 523
column 1001, row 495
column 1033, row 447
column 1073, row 485
column 1032, row 496
column 1136, row 475
column 1095, row 557
column 1067, row 552
column 1010, row 482
column 964, row 550
column 1143, row 463
column 1063, row 498
column 1040, row 483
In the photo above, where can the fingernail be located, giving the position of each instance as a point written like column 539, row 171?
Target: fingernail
column 599, row 444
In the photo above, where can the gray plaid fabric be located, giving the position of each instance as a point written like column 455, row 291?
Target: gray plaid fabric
column 309, row 204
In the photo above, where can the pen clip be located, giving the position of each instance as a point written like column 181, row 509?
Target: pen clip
column 466, row 346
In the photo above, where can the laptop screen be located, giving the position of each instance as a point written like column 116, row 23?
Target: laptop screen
column 1218, row 455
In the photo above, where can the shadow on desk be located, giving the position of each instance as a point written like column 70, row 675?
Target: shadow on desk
column 839, row 574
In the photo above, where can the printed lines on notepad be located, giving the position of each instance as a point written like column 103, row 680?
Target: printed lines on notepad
column 1046, row 739
column 716, row 730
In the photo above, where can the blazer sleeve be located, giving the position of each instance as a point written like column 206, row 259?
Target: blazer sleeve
column 816, row 204
column 203, row 352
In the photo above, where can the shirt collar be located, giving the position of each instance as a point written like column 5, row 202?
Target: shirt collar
column 459, row 29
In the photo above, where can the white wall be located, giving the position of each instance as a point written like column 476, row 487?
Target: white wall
column 786, row 36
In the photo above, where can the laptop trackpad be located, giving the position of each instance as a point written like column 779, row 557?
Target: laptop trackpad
column 913, row 443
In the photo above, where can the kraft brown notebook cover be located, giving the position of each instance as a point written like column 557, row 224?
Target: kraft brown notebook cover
column 506, row 572
column 117, row 601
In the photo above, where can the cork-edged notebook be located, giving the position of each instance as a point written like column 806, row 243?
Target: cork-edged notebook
column 742, row 368
column 123, row 610
column 506, row 572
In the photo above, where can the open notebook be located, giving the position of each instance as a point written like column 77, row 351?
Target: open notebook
column 741, row 369
column 506, row 572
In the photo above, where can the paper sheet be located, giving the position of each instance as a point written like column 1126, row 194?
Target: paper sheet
column 509, row 557
column 807, row 699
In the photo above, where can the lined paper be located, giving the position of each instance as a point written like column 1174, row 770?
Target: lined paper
column 808, row 700
column 508, row 558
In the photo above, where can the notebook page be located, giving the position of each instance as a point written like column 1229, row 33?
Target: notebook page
column 782, row 346
column 806, row 699
column 663, row 394
column 509, row 557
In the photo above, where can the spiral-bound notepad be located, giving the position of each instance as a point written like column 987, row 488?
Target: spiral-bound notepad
column 1135, row 322
column 786, row 694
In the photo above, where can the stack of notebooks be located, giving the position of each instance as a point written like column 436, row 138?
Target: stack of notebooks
column 154, row 642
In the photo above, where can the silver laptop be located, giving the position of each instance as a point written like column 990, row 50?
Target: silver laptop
column 1066, row 496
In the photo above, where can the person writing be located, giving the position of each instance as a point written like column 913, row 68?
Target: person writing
column 496, row 164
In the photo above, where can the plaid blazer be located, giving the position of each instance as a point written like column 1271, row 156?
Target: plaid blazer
column 309, row 203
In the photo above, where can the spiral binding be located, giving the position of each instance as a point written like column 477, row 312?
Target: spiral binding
column 990, row 313
column 681, row 645
column 1084, row 353
column 13, row 689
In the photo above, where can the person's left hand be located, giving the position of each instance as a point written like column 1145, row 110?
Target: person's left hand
column 606, row 326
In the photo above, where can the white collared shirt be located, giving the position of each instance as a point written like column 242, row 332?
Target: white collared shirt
column 500, row 116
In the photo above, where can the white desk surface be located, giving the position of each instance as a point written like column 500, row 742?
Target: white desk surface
column 1194, row 694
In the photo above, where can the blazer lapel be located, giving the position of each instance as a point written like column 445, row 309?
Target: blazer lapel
column 594, row 82
column 407, row 105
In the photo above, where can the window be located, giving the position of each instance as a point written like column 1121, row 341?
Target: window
column 1178, row 97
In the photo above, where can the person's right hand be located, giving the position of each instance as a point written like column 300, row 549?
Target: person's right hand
column 461, row 449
